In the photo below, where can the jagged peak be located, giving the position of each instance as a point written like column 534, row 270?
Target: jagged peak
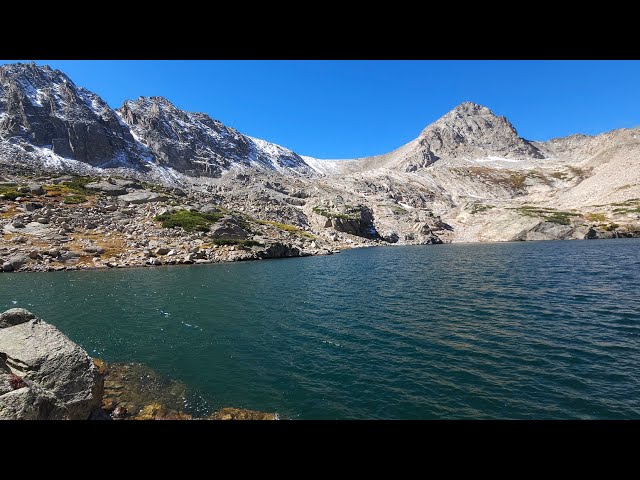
column 150, row 101
column 34, row 73
column 471, row 108
column 468, row 110
column 469, row 113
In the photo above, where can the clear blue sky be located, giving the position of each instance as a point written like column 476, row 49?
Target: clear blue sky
column 344, row 109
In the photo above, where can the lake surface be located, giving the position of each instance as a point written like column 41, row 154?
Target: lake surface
column 538, row 330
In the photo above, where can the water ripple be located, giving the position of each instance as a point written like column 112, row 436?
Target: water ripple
column 517, row 330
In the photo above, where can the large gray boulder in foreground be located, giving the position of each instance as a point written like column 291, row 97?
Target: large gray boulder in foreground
column 43, row 374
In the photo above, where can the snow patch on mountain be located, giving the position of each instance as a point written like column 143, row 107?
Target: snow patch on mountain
column 30, row 92
column 324, row 167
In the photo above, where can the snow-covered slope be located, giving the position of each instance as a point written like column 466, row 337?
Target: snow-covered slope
column 196, row 144
column 42, row 107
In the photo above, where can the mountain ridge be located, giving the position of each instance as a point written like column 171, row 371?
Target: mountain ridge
column 467, row 176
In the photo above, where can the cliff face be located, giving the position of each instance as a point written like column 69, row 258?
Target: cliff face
column 41, row 107
column 196, row 144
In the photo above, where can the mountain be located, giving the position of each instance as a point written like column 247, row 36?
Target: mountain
column 467, row 176
column 197, row 144
column 42, row 108
column 468, row 131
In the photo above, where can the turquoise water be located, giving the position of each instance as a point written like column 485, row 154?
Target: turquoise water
column 513, row 330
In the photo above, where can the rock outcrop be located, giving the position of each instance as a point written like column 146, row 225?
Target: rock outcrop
column 43, row 374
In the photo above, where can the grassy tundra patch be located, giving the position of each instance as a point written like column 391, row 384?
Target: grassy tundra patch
column 548, row 214
column 286, row 227
column 74, row 199
column 188, row 220
column 328, row 214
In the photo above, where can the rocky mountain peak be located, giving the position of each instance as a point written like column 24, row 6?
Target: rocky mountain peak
column 42, row 107
column 474, row 131
column 38, row 77
column 471, row 108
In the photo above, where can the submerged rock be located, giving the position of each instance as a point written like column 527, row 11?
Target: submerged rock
column 60, row 379
column 141, row 392
column 229, row 413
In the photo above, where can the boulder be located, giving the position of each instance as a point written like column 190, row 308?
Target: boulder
column 280, row 250
column 97, row 250
column 106, row 188
column 228, row 229
column 31, row 206
column 143, row 196
column 17, row 260
column 61, row 379
column 36, row 189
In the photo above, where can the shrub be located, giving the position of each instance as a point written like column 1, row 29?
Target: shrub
column 596, row 217
column 286, row 227
column 558, row 218
column 74, row 199
column 326, row 213
column 78, row 184
column 10, row 193
column 188, row 220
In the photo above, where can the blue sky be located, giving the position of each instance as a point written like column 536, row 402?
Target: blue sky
column 344, row 109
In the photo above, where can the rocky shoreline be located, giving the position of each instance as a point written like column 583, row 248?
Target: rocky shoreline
column 46, row 376
column 67, row 223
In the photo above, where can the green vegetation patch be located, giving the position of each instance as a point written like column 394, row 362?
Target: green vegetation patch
column 75, row 186
column 596, row 217
column 629, row 206
column 74, row 199
column 152, row 187
column 188, row 220
column 10, row 192
column 560, row 218
column 548, row 214
column 286, row 227
column 328, row 214
column 78, row 184
column 396, row 209
column 627, row 203
column 480, row 207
